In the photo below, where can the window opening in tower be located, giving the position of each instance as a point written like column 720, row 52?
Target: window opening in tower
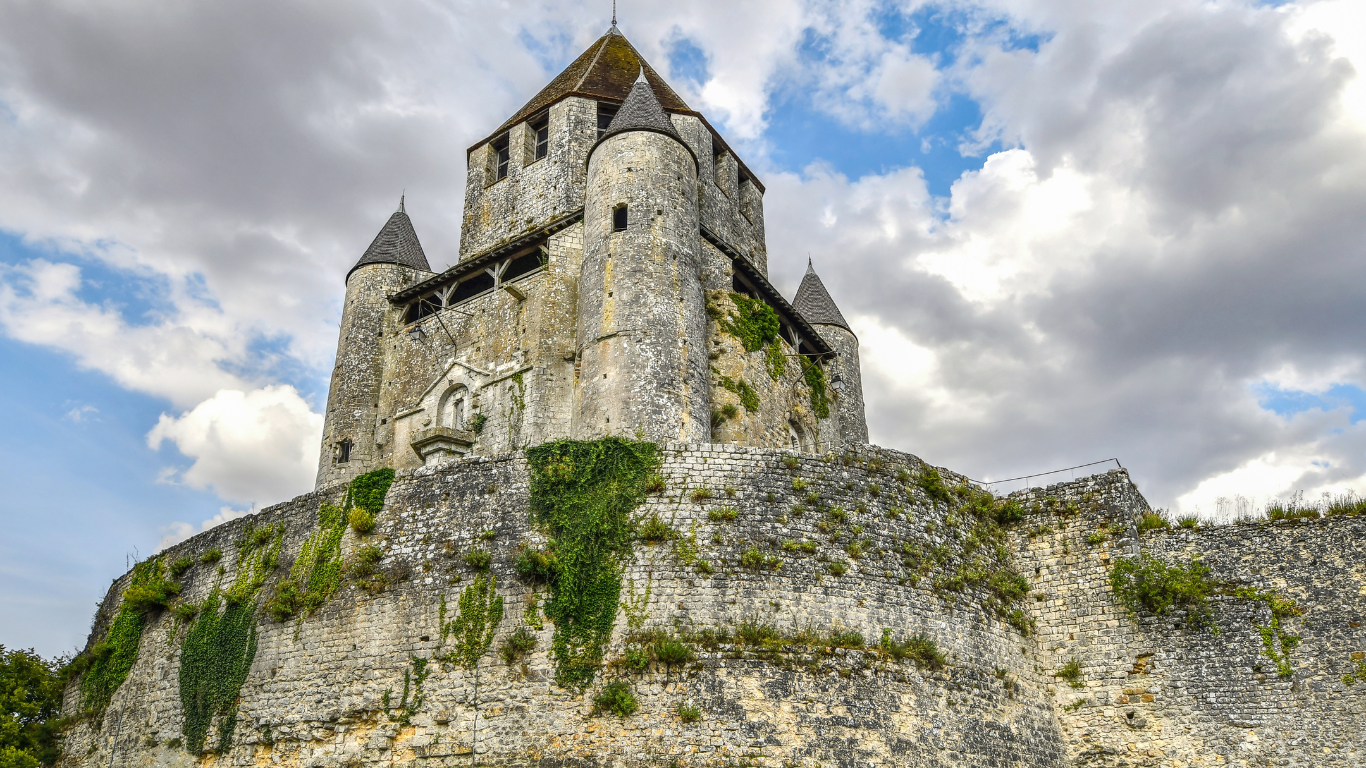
column 343, row 451
column 619, row 218
column 606, row 112
column 541, row 128
column 500, row 147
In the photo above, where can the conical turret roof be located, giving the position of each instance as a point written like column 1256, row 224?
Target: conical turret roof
column 607, row 70
column 641, row 112
column 396, row 243
column 814, row 302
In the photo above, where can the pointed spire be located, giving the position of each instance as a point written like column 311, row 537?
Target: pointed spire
column 400, row 201
column 614, row 30
column 641, row 111
column 396, row 243
column 813, row 302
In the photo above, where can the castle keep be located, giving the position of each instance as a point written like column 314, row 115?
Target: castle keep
column 610, row 237
column 598, row 496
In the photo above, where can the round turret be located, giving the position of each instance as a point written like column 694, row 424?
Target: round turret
column 814, row 304
column 348, row 446
column 641, row 308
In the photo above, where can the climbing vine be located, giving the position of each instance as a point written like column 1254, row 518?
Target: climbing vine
column 110, row 660
column 748, row 397
column 317, row 572
column 584, row 494
column 481, row 611
column 775, row 359
column 815, row 379
column 753, row 322
column 221, row 643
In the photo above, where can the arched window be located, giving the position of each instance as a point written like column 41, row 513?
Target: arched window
column 794, row 437
column 453, row 408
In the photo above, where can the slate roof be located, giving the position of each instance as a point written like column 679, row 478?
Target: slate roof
column 814, row 302
column 396, row 243
column 607, row 70
column 642, row 112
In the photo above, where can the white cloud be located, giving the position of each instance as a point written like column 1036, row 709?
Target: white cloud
column 81, row 413
column 260, row 445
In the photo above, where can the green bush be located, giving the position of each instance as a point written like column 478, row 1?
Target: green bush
column 211, row 556
column 517, row 645
column 689, row 714
column 932, row 484
column 752, row 558
column 920, row 649
column 672, row 653
column 753, row 322
column 1148, row 585
column 616, row 697
column 478, row 559
column 151, row 591
column 1071, row 672
column 844, row 638
column 654, row 530
column 538, row 565
column 1008, row 512
column 180, row 566
column 1152, row 521
column 1096, row 537
column 362, row 520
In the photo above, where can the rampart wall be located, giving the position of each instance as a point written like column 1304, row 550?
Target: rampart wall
column 767, row 547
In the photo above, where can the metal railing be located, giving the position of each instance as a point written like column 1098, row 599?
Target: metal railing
column 1024, row 479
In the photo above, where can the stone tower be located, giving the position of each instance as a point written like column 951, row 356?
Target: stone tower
column 641, row 311
column 393, row 261
column 814, row 303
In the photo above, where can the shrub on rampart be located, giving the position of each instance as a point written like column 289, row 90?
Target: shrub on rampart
column 1150, row 585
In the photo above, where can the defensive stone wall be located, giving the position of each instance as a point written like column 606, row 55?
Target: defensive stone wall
column 868, row 542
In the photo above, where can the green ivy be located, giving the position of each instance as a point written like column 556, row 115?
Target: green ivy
column 1150, row 585
column 584, row 494
column 815, row 379
column 775, row 359
column 221, row 643
column 111, row 659
column 753, row 322
column 317, row 572
column 481, row 611
column 748, row 397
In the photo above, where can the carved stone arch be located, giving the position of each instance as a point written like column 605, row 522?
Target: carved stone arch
column 454, row 408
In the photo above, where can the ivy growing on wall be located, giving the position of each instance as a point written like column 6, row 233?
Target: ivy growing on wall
column 317, row 572
column 815, row 379
column 110, row 660
column 583, row 494
column 775, row 359
column 748, row 397
column 221, row 643
column 753, row 322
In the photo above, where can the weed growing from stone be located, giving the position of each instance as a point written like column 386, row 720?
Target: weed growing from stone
column 1152, row 521
column 478, row 558
column 180, row 566
column 1071, row 672
column 516, row 646
column 723, row 514
column 362, row 520
column 616, row 697
column 211, row 556
column 689, row 714
column 920, row 648
column 1150, row 585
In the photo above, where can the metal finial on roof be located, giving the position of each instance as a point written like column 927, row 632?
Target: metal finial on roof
column 614, row 30
column 642, row 79
column 400, row 201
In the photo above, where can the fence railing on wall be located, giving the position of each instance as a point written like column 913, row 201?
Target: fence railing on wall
column 1032, row 481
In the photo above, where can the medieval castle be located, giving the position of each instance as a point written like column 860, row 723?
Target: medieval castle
column 599, row 496
column 606, row 226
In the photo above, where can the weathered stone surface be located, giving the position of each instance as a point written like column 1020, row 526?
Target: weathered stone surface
column 1154, row 695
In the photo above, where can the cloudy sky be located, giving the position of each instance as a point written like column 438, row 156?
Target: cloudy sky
column 1064, row 230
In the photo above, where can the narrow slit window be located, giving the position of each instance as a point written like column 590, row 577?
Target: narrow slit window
column 541, row 128
column 605, row 114
column 500, row 148
column 343, row 451
column 619, row 218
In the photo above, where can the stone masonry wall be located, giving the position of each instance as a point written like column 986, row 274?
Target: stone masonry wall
column 1151, row 694
column 1156, row 693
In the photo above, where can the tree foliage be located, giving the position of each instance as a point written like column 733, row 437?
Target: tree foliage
column 30, row 705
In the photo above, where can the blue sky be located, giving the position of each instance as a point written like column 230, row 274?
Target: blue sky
column 1051, row 251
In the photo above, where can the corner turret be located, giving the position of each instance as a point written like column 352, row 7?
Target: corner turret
column 814, row 303
column 393, row 261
